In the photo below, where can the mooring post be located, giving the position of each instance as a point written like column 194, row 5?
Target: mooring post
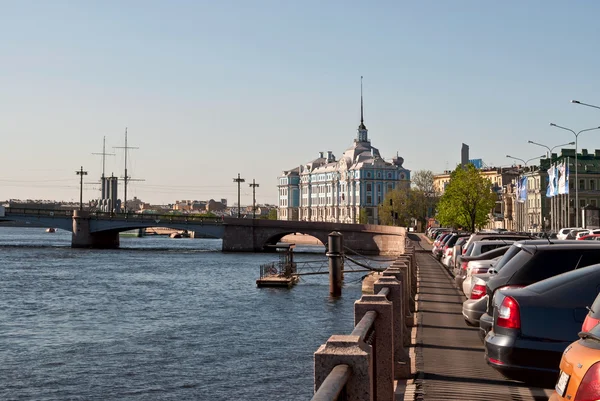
column 335, row 263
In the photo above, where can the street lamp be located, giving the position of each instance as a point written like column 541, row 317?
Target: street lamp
column 552, row 148
column 584, row 104
column 239, row 181
column 521, row 219
column 524, row 161
column 576, row 176
column 81, row 173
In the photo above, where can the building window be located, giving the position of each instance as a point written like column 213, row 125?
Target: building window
column 368, row 174
column 378, row 174
column 592, row 185
column 593, row 202
column 369, row 187
column 581, row 184
column 581, row 202
column 369, row 199
column 389, row 175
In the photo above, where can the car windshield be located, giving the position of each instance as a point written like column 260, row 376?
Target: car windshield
column 461, row 240
column 515, row 263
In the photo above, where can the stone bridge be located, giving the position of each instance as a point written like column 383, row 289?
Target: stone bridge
column 101, row 230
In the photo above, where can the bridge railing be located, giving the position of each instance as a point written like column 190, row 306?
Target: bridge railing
column 183, row 218
column 365, row 364
column 120, row 216
column 39, row 212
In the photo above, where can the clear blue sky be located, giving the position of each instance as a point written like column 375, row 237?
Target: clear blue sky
column 208, row 89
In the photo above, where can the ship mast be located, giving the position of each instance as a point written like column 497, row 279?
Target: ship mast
column 126, row 178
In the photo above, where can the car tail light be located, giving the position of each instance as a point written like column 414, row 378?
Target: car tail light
column 449, row 252
column 589, row 388
column 589, row 323
column 509, row 315
column 464, row 251
column 478, row 291
column 463, row 265
column 479, row 270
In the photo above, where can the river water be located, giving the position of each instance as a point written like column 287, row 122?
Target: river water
column 158, row 319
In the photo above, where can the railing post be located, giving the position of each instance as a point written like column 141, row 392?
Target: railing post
column 383, row 345
column 401, row 358
column 335, row 246
column 400, row 276
column 348, row 350
column 400, row 270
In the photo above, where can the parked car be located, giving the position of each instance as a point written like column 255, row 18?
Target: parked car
column 457, row 252
column 532, row 326
column 441, row 246
column 475, row 252
column 448, row 249
column 589, row 237
column 476, row 305
column 563, row 232
column 580, row 363
column 580, row 369
column 534, row 263
column 489, row 236
column 477, row 267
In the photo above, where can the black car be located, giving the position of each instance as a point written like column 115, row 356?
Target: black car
column 497, row 248
column 533, row 326
column 534, row 263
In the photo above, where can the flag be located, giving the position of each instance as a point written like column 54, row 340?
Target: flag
column 552, row 184
column 562, row 179
column 522, row 194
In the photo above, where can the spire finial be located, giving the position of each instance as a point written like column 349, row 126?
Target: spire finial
column 361, row 102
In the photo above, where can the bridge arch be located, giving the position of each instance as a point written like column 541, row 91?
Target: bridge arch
column 275, row 238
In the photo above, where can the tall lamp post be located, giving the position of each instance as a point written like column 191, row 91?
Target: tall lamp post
column 253, row 185
column 584, row 104
column 522, row 218
column 553, row 203
column 576, row 176
column 239, row 181
column 549, row 154
column 81, row 173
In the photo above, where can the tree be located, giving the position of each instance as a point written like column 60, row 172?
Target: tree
column 422, row 180
column 401, row 205
column 467, row 200
column 272, row 214
column 363, row 217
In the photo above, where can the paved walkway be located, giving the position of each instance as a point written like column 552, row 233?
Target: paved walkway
column 450, row 360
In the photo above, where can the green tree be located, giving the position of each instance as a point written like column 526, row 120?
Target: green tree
column 402, row 204
column 272, row 214
column 363, row 217
column 467, row 200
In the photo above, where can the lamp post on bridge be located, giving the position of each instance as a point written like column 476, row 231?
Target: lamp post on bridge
column 254, row 185
column 81, row 173
column 239, row 181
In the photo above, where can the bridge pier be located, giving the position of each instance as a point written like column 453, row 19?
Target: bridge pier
column 83, row 238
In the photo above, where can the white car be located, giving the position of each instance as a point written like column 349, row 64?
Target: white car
column 563, row 232
column 587, row 232
column 476, row 267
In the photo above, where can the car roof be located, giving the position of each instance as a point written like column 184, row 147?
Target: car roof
column 556, row 244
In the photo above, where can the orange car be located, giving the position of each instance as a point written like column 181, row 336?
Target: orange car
column 579, row 378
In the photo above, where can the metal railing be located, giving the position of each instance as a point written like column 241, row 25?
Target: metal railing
column 157, row 218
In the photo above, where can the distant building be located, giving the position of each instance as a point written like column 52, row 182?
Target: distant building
column 464, row 155
column 332, row 190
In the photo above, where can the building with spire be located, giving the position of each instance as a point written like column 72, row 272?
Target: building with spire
column 335, row 190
